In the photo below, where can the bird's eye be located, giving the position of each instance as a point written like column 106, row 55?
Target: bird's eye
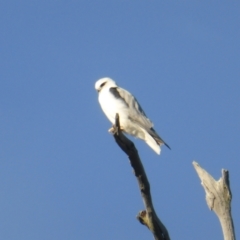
column 102, row 84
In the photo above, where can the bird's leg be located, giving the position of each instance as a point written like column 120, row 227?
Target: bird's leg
column 113, row 129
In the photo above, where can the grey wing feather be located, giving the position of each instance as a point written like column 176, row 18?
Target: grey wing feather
column 136, row 113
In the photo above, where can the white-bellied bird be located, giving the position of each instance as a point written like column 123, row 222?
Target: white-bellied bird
column 133, row 119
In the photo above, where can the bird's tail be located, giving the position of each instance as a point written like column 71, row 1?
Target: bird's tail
column 151, row 142
column 154, row 141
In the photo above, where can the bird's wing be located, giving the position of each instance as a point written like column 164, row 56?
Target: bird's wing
column 136, row 113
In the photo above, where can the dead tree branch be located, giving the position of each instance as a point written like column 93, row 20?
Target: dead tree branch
column 218, row 197
column 147, row 217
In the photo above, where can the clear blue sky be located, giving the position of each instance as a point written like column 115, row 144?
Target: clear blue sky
column 61, row 174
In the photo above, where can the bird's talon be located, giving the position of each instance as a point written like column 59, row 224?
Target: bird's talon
column 111, row 130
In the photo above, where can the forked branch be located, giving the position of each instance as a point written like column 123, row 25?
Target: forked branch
column 218, row 197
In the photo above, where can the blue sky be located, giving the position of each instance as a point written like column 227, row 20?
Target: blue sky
column 61, row 174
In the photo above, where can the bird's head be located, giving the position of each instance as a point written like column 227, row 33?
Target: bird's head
column 104, row 82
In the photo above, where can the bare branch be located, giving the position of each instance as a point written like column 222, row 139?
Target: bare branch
column 218, row 197
column 147, row 217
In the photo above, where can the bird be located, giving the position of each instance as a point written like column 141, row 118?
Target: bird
column 133, row 120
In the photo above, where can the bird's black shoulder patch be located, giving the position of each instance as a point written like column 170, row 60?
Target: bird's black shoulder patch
column 115, row 92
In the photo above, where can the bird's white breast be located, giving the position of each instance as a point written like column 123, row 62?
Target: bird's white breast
column 111, row 105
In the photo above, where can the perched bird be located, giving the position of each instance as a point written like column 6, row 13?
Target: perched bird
column 133, row 120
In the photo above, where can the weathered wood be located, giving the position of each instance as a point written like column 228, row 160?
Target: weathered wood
column 218, row 197
column 147, row 217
